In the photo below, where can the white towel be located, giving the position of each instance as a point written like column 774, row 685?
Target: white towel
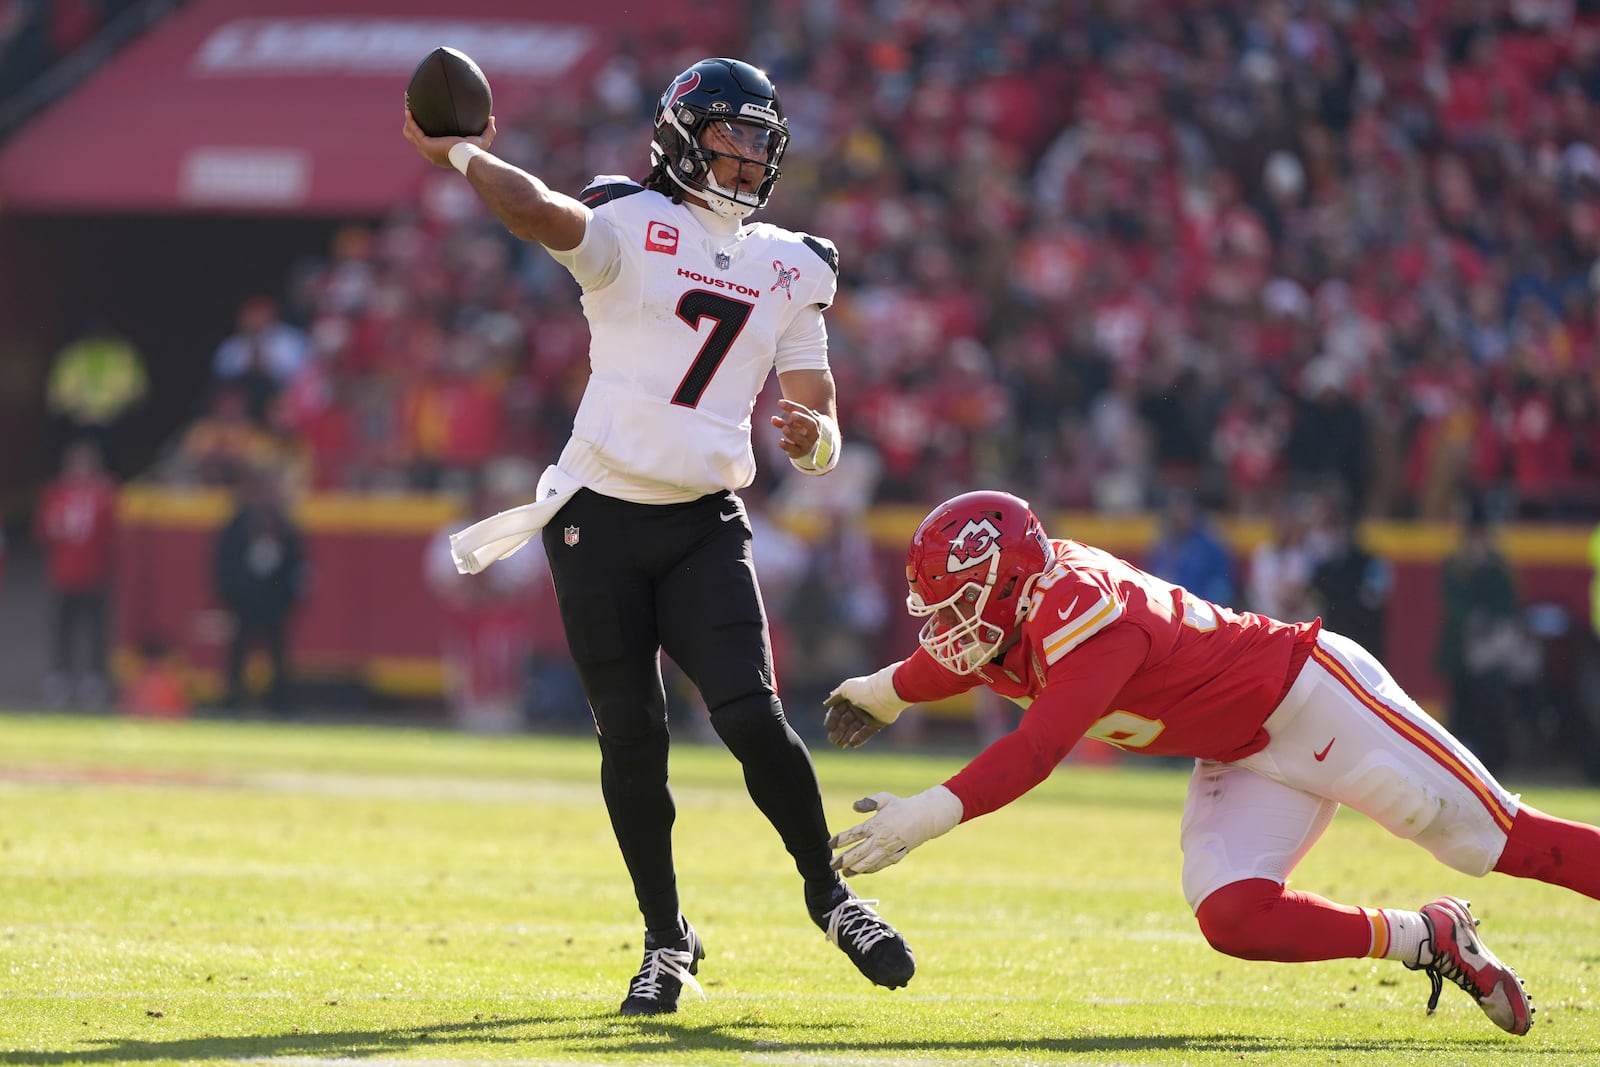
column 500, row 535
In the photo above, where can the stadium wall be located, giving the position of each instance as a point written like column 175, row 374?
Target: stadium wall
column 370, row 618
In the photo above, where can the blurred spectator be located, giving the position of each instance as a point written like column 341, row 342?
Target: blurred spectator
column 1248, row 441
column 1327, row 445
column 1482, row 647
column 262, row 356
column 159, row 686
column 453, row 413
column 259, row 573
column 1189, row 552
column 836, row 611
column 1350, row 585
column 93, row 382
column 75, row 525
column 225, row 445
column 484, row 621
column 1281, row 564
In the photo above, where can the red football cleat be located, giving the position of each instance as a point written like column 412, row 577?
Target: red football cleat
column 1455, row 951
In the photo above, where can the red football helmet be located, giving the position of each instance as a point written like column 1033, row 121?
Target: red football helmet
column 971, row 567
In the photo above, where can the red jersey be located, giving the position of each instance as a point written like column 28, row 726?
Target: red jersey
column 75, row 524
column 1111, row 652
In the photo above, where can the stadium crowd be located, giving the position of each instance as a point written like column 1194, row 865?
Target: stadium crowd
column 1088, row 251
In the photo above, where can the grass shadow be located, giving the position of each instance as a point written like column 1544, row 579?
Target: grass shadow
column 601, row 1033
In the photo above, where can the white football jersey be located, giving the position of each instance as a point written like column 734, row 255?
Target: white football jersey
column 685, row 323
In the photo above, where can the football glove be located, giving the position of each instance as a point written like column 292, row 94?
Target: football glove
column 900, row 825
column 860, row 707
column 849, row 726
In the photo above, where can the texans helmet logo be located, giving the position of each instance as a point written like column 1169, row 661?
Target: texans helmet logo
column 687, row 82
column 979, row 539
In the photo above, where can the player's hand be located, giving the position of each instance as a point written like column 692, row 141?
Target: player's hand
column 872, row 696
column 436, row 150
column 899, row 825
column 849, row 725
column 799, row 428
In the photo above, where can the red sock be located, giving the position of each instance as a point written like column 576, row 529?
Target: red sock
column 1553, row 850
column 1258, row 919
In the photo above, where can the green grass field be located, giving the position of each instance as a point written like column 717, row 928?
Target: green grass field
column 212, row 892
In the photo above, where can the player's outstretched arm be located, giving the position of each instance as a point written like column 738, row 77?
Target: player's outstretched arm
column 525, row 205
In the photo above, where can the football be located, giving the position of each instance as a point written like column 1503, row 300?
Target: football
column 449, row 96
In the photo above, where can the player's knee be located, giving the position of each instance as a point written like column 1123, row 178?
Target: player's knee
column 753, row 714
column 1236, row 918
column 623, row 734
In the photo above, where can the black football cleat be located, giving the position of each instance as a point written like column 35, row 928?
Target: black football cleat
column 875, row 947
column 669, row 965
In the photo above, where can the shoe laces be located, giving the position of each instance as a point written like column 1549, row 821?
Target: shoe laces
column 854, row 919
column 660, row 963
column 1446, row 964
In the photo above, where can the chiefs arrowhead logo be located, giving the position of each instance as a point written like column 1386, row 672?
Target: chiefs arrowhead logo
column 979, row 539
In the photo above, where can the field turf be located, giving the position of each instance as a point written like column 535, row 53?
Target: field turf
column 212, row 892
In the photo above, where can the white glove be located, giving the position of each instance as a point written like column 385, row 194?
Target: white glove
column 874, row 694
column 900, row 825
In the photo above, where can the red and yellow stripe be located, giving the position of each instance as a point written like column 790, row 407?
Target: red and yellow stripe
column 1380, row 932
column 1417, row 735
column 1075, row 632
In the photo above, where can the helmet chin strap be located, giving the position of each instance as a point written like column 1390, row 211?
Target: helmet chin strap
column 714, row 197
column 722, row 202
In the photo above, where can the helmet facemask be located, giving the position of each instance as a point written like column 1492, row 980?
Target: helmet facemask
column 701, row 140
column 956, row 634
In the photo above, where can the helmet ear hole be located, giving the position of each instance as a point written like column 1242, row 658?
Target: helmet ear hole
column 1009, row 588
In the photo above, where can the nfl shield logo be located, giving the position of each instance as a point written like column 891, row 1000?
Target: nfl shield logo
column 572, row 535
column 723, row 260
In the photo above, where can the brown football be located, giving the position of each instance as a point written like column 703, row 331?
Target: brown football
column 449, row 96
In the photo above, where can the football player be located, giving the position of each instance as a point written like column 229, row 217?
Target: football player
column 1285, row 722
column 690, row 309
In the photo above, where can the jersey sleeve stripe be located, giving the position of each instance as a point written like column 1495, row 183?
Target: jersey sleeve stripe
column 1104, row 612
column 595, row 195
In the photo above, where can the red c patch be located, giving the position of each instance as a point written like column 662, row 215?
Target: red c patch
column 659, row 237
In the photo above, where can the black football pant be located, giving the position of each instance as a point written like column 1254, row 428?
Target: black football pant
column 634, row 580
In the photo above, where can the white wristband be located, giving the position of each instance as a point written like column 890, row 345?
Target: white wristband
column 825, row 456
column 461, row 154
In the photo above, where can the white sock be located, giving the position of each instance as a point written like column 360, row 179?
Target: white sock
column 1400, row 935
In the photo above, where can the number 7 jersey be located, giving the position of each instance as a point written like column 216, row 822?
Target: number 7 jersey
column 692, row 315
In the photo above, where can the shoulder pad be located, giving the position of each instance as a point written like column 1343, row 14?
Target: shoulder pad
column 607, row 188
column 1068, row 625
column 824, row 249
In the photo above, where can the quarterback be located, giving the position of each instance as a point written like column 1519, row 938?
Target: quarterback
column 1285, row 723
column 690, row 310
